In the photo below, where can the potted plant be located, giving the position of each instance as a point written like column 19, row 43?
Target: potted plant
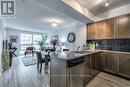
column 42, row 41
column 91, row 45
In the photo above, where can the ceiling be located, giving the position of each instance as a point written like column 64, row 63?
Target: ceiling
column 31, row 15
column 36, row 15
column 98, row 6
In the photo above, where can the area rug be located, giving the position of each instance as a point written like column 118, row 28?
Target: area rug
column 29, row 60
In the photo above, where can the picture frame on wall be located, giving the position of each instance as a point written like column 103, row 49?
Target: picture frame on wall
column 13, row 39
column 54, row 38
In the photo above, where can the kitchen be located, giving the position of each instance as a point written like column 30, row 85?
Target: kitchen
column 111, row 41
column 87, row 43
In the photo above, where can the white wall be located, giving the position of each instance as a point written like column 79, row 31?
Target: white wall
column 80, row 31
column 78, row 28
column 2, row 36
column 14, row 32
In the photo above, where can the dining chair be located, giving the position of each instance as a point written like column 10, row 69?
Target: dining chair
column 29, row 50
column 47, row 60
column 40, row 60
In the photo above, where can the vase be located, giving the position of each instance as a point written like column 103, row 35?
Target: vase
column 54, row 48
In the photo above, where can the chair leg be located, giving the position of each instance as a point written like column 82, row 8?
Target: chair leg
column 37, row 65
column 25, row 54
column 41, row 68
column 33, row 54
column 46, row 68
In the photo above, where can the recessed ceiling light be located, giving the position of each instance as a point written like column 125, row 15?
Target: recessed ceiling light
column 107, row 3
column 54, row 24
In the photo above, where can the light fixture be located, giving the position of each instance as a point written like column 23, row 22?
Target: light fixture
column 107, row 3
column 54, row 24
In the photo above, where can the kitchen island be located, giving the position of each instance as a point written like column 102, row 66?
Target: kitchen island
column 68, row 68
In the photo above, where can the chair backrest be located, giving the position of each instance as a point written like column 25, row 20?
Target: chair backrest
column 47, row 58
column 49, row 50
column 30, row 48
column 65, row 49
column 10, row 45
column 39, row 57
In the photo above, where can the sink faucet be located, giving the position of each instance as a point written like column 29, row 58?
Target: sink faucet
column 78, row 47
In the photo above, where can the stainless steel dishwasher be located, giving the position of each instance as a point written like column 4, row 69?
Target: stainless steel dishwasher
column 75, row 72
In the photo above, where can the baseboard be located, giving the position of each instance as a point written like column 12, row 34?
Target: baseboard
column 127, row 78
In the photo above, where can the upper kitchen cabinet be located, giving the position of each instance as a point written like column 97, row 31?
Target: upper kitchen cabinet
column 91, row 31
column 124, row 26
column 117, row 27
column 110, row 28
column 99, row 31
column 95, row 30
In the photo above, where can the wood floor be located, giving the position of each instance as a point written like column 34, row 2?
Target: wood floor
column 22, row 76
column 107, row 80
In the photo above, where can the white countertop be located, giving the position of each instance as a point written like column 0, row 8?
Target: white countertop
column 72, row 55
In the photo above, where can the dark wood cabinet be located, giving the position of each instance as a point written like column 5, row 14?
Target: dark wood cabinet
column 99, row 30
column 92, row 66
column 109, row 61
column 118, row 27
column 124, row 26
column 87, row 70
column 98, row 63
column 103, row 29
column 95, row 30
column 123, row 64
column 110, row 28
column 112, row 62
column 91, row 31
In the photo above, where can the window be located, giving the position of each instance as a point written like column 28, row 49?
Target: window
column 25, row 39
column 29, row 40
column 36, row 38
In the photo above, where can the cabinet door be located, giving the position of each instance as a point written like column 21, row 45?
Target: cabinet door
column 87, row 75
column 123, row 64
column 99, row 30
column 110, row 28
column 90, row 31
column 109, row 62
column 98, row 64
column 92, row 65
column 124, row 26
column 95, row 30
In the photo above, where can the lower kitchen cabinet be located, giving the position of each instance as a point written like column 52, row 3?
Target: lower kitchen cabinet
column 95, row 63
column 92, row 66
column 113, row 62
column 87, row 70
column 98, row 63
column 109, row 60
column 123, row 64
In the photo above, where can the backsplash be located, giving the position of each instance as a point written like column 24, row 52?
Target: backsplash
column 113, row 44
